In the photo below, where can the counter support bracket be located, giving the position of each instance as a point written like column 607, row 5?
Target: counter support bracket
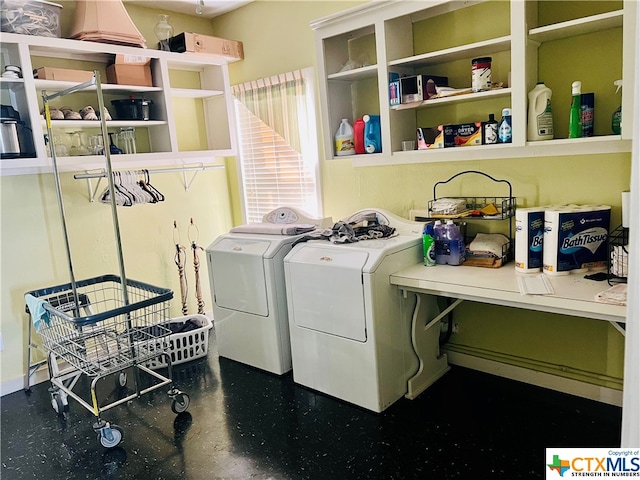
column 425, row 338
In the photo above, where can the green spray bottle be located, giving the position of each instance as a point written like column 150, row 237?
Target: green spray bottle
column 616, row 118
column 575, row 114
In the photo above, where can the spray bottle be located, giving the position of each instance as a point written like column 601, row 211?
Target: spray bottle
column 575, row 114
column 616, row 118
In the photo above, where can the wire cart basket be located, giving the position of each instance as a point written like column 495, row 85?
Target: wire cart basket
column 100, row 327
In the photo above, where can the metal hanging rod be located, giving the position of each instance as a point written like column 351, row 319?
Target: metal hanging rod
column 184, row 169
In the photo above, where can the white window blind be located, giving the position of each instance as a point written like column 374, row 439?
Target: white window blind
column 278, row 144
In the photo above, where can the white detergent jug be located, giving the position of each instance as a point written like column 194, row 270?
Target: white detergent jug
column 540, row 125
column 345, row 141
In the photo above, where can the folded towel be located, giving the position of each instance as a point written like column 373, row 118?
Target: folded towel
column 39, row 314
column 489, row 242
column 616, row 295
column 275, row 228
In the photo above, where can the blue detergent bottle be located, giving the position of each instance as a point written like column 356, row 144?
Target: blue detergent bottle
column 372, row 135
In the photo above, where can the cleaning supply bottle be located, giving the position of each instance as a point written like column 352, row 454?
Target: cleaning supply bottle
column 540, row 124
column 490, row 131
column 616, row 118
column 442, row 246
column 345, row 143
column 504, row 129
column 575, row 113
column 456, row 244
column 429, row 245
column 372, row 135
column 358, row 134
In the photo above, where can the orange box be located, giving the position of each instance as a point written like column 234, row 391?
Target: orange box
column 62, row 74
column 196, row 43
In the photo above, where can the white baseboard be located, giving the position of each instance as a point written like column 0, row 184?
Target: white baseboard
column 17, row 384
column 540, row 379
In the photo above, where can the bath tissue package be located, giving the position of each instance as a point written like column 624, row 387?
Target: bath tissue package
column 529, row 237
column 575, row 238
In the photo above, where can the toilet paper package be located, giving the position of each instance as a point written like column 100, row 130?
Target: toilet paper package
column 528, row 238
column 575, row 238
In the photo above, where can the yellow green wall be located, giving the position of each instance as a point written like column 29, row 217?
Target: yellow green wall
column 31, row 238
column 587, row 350
column 277, row 38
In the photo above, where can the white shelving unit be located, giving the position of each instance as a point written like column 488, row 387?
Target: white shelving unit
column 161, row 140
column 407, row 38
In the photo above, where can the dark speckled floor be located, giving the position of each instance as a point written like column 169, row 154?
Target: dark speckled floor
column 246, row 424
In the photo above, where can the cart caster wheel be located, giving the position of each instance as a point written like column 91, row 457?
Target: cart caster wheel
column 121, row 379
column 60, row 403
column 180, row 403
column 110, row 436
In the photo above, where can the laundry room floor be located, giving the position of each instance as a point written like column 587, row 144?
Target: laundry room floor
column 244, row 423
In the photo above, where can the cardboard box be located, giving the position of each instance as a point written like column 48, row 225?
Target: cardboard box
column 418, row 88
column 463, row 135
column 196, row 43
column 430, row 137
column 130, row 70
column 123, row 74
column 62, row 74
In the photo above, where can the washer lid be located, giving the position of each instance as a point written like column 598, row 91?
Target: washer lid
column 325, row 291
column 376, row 250
column 272, row 243
column 238, row 276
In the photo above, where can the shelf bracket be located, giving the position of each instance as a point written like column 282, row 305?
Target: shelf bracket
column 187, row 184
column 620, row 327
column 93, row 191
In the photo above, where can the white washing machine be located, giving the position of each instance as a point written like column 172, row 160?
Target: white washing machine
column 350, row 328
column 248, row 289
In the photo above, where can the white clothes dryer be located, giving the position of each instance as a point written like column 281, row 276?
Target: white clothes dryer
column 350, row 328
column 248, row 289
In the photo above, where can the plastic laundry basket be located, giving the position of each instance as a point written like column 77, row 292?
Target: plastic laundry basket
column 188, row 345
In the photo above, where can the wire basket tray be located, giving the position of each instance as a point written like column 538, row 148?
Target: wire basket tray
column 618, row 255
column 103, row 334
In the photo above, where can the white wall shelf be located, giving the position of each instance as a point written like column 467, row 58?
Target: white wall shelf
column 485, row 47
column 400, row 32
column 580, row 26
column 560, row 147
column 368, row 71
column 466, row 97
column 159, row 139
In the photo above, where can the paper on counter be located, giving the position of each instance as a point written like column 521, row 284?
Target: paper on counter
column 535, row 285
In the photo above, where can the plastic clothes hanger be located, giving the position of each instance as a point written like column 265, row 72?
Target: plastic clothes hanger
column 146, row 184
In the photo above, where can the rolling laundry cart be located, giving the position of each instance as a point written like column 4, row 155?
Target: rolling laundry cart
column 100, row 327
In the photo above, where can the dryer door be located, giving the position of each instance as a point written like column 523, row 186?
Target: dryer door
column 237, row 272
column 325, row 291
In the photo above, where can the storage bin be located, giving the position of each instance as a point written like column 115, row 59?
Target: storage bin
column 132, row 108
column 30, row 17
column 188, row 345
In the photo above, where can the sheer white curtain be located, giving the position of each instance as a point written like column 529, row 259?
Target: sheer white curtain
column 278, row 150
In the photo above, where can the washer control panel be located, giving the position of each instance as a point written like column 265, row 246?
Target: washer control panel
column 294, row 215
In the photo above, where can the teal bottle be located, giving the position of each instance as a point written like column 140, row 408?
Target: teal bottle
column 575, row 114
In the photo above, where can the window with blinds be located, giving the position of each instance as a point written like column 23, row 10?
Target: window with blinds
column 278, row 152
